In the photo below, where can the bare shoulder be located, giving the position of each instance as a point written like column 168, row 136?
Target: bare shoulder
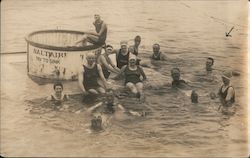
column 81, row 69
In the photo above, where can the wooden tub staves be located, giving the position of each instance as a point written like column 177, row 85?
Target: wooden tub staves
column 51, row 54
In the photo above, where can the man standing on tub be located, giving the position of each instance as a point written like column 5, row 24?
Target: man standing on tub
column 96, row 38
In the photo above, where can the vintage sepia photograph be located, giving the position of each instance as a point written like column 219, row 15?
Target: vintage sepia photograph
column 124, row 78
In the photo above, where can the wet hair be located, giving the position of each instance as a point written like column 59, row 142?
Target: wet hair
column 210, row 58
column 109, row 46
column 138, row 38
column 58, row 84
column 175, row 68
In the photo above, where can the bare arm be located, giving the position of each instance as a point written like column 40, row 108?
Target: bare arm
column 103, row 28
column 81, row 80
column 89, row 110
column 163, row 57
column 230, row 94
column 49, row 98
column 120, row 107
column 142, row 73
column 102, row 76
column 107, row 65
column 121, row 72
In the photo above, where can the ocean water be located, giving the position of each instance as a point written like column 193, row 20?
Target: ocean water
column 188, row 31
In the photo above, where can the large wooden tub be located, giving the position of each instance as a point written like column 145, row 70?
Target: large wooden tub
column 50, row 54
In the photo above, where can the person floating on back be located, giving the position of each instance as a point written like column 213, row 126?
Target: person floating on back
column 90, row 77
column 98, row 37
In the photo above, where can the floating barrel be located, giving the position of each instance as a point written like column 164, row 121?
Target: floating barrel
column 51, row 54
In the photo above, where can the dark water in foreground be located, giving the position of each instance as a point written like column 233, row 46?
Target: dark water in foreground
column 173, row 125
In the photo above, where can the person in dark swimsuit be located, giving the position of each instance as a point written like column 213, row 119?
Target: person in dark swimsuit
column 96, row 38
column 106, row 63
column 133, row 73
column 122, row 55
column 157, row 54
column 90, row 76
column 226, row 92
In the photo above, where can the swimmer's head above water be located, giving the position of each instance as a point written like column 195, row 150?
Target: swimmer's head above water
column 132, row 60
column 209, row 63
column 58, row 87
column 109, row 49
column 124, row 46
column 194, row 97
column 156, row 48
column 175, row 73
column 226, row 77
column 96, row 123
column 131, row 49
column 91, row 58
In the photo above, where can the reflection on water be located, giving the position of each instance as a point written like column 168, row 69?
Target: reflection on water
column 173, row 126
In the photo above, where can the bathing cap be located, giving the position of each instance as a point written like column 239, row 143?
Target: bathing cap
column 227, row 75
column 132, row 56
column 90, row 55
column 123, row 43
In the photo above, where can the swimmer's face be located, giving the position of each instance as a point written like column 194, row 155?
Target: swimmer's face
column 156, row 48
column 91, row 59
column 109, row 50
column 137, row 42
column 124, row 48
column 209, row 64
column 131, row 49
column 176, row 75
column 58, row 89
column 97, row 17
column 225, row 81
column 132, row 62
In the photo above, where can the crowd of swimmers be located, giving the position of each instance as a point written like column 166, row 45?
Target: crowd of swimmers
column 93, row 75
